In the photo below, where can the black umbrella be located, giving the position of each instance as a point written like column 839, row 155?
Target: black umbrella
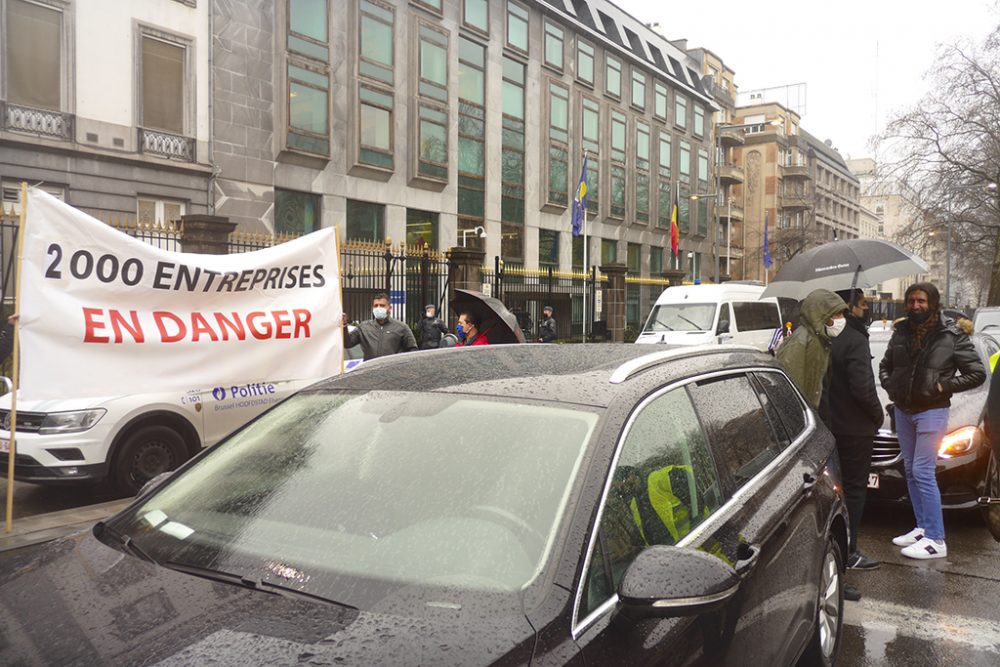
column 498, row 323
column 841, row 265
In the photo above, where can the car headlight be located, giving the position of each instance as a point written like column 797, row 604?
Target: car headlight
column 70, row 422
column 959, row 442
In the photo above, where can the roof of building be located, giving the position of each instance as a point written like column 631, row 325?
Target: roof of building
column 830, row 154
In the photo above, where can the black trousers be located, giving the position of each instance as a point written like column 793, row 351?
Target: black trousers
column 855, row 453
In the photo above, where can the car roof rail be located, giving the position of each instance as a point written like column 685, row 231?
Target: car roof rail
column 633, row 366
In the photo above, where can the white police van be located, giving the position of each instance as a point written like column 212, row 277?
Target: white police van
column 128, row 440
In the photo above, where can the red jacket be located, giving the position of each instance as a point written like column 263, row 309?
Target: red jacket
column 478, row 339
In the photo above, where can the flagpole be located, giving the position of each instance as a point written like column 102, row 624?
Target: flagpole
column 586, row 242
column 16, row 361
column 340, row 291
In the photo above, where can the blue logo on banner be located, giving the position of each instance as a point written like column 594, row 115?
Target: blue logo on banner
column 219, row 393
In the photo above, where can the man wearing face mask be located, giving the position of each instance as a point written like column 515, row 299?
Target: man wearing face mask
column 431, row 329
column 928, row 359
column 381, row 335
column 468, row 331
column 851, row 408
column 806, row 353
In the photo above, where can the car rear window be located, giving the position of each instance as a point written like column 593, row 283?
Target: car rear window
column 783, row 403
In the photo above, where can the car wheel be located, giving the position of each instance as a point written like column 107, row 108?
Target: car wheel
column 146, row 453
column 825, row 643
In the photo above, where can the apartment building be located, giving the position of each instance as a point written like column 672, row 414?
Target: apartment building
column 438, row 121
column 105, row 104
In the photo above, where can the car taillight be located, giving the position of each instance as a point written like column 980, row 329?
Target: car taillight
column 959, row 442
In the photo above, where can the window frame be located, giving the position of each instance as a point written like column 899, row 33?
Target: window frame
column 67, row 52
column 312, row 41
column 143, row 30
column 608, row 59
column 548, row 24
column 579, row 625
column 527, row 27
column 658, row 87
column 593, row 62
column 680, row 111
column 392, row 30
column 472, row 26
column 638, row 77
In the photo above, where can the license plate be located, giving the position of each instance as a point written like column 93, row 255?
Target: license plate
column 873, row 481
column 4, row 445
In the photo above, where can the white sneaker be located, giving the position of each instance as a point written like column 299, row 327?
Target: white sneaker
column 909, row 538
column 926, row 548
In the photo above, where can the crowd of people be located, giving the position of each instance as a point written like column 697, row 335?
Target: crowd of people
column 928, row 360
column 383, row 335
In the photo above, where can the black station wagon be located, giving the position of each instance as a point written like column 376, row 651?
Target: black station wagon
column 508, row 505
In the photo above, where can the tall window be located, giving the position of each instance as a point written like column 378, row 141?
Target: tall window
column 476, row 14
column 664, row 204
column 548, row 248
column 684, row 210
column 609, row 251
column 295, row 212
column 641, row 172
column 618, row 177
column 517, row 26
column 307, row 35
column 554, row 45
column 590, row 123
column 558, row 144
column 421, row 229
column 660, row 104
column 34, row 55
column 699, row 120
column 471, row 138
column 584, row 61
column 655, row 261
column 613, row 77
column 638, row 88
column 432, row 128
column 703, row 169
column 376, row 99
column 703, row 217
column 680, row 110
column 308, row 104
column 685, row 163
column 512, row 162
column 665, row 154
column 163, row 89
column 365, row 221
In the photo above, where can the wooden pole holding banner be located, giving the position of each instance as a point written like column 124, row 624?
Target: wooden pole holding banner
column 12, row 448
column 340, row 288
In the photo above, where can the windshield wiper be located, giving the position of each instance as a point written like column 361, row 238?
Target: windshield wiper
column 659, row 321
column 101, row 529
column 256, row 584
column 694, row 324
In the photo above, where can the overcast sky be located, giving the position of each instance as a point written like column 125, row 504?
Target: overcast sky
column 860, row 59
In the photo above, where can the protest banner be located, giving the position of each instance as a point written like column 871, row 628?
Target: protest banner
column 104, row 314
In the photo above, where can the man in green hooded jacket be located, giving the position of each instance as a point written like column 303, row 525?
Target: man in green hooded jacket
column 806, row 354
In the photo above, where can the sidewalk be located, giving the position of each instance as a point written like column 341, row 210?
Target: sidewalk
column 45, row 527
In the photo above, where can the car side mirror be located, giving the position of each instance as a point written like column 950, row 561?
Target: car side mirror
column 670, row 582
column 723, row 327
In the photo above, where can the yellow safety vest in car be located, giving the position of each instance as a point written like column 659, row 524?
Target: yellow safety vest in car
column 671, row 510
column 993, row 361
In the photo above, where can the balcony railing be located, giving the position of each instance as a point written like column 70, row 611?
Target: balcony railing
column 165, row 144
column 795, row 171
column 730, row 174
column 40, row 122
column 734, row 211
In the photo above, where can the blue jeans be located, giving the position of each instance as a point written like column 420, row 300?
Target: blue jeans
column 920, row 434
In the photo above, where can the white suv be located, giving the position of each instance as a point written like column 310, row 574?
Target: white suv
column 128, row 439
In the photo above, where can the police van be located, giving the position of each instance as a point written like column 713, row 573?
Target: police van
column 128, row 440
column 731, row 312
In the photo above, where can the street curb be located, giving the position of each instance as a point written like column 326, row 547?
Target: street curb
column 53, row 525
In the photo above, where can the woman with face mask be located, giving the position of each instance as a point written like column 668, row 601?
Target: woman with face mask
column 928, row 359
column 806, row 353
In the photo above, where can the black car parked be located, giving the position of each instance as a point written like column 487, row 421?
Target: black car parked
column 585, row 505
column 964, row 453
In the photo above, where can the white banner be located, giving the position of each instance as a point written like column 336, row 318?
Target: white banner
column 104, row 314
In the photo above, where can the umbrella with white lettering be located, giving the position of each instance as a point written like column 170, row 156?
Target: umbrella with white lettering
column 841, row 265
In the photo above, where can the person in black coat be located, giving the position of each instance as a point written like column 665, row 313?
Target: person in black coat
column 851, row 408
column 431, row 329
column 547, row 327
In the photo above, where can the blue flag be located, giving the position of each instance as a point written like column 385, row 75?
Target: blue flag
column 580, row 201
column 767, row 250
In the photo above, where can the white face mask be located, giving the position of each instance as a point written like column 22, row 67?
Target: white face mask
column 430, row 314
column 380, row 313
column 833, row 330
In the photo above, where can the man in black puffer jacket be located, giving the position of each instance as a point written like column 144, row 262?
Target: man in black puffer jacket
column 851, row 408
column 919, row 373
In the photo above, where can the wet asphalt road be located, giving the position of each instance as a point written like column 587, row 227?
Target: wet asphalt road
column 32, row 499
column 914, row 613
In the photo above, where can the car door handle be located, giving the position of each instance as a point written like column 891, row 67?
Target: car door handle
column 747, row 556
column 808, row 483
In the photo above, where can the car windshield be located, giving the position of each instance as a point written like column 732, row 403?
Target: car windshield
column 682, row 317
column 397, row 488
